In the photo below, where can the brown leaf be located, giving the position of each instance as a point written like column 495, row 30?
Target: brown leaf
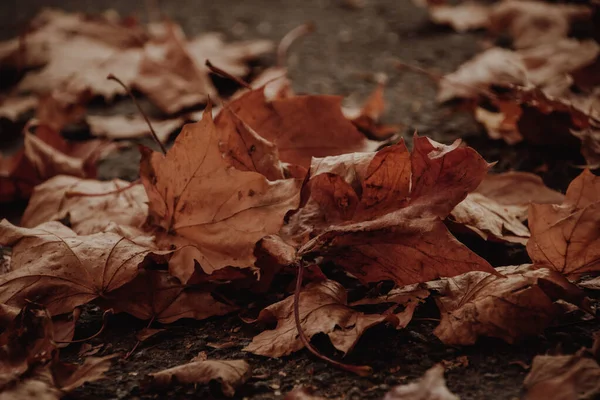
column 91, row 206
column 562, row 378
column 12, row 108
column 229, row 373
column 64, row 327
column 366, row 118
column 130, row 127
column 54, row 267
column 432, row 386
column 155, row 295
column 323, row 309
column 68, row 377
column 565, row 238
column 301, row 127
column 531, row 23
column 379, row 215
column 462, row 17
column 196, row 194
column 509, row 307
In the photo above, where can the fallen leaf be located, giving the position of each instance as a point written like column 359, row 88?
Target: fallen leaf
column 366, row 118
column 12, row 108
column 130, row 127
column 64, row 327
column 229, row 373
column 520, row 303
column 90, row 205
column 155, row 295
column 301, row 127
column 562, row 378
column 462, row 17
column 69, row 376
column 565, row 237
column 432, row 386
column 379, row 215
column 323, row 309
column 55, row 267
column 196, row 194
column 58, row 109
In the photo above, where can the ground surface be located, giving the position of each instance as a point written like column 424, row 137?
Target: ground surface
column 347, row 43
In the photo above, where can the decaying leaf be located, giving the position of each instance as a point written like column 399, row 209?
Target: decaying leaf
column 55, row 267
column 432, row 386
column 379, row 215
column 155, row 295
column 509, row 307
column 562, row 378
column 323, row 309
column 90, row 205
column 565, row 237
column 196, row 194
column 229, row 373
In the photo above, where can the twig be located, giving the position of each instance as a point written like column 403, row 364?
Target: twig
column 154, row 136
column 226, row 75
column 104, row 317
column 362, row 370
column 291, row 37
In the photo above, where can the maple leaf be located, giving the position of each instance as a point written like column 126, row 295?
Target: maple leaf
column 66, row 270
column 565, row 238
column 130, row 127
column 91, row 206
column 509, row 307
column 301, row 127
column 562, row 378
column 379, row 215
column 323, row 309
column 195, row 194
column 157, row 296
column 229, row 373
column 432, row 386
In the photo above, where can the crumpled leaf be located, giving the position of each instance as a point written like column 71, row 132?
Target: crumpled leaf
column 130, row 127
column 531, row 23
column 55, row 267
column 157, row 296
column 195, row 194
column 379, row 215
column 462, row 17
column 562, row 378
column 520, row 303
column 229, row 373
column 90, row 205
column 565, row 238
column 432, row 386
column 301, row 127
column 323, row 309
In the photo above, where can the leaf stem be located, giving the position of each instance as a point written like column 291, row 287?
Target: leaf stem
column 104, row 318
column 226, row 75
column 290, row 38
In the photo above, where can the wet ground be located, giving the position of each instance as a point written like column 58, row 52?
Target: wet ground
column 348, row 45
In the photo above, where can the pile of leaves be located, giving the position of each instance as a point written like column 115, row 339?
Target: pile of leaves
column 287, row 200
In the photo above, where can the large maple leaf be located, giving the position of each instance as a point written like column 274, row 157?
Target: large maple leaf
column 380, row 215
column 196, row 195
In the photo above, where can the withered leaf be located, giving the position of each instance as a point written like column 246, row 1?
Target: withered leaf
column 562, row 378
column 323, row 309
column 565, row 237
column 301, row 127
column 509, row 307
column 229, row 373
column 432, row 386
column 379, row 215
column 160, row 297
column 90, row 205
column 55, row 267
column 196, row 194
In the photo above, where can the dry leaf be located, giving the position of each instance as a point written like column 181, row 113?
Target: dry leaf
column 12, row 108
column 130, row 127
column 432, row 386
column 155, row 295
column 90, row 205
column 55, row 267
column 366, row 118
column 509, row 307
column 196, row 194
column 379, row 215
column 323, row 309
column 565, row 237
column 229, row 373
column 462, row 17
column 562, row 378
column 301, row 127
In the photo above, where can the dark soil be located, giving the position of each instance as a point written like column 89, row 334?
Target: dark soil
column 347, row 44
